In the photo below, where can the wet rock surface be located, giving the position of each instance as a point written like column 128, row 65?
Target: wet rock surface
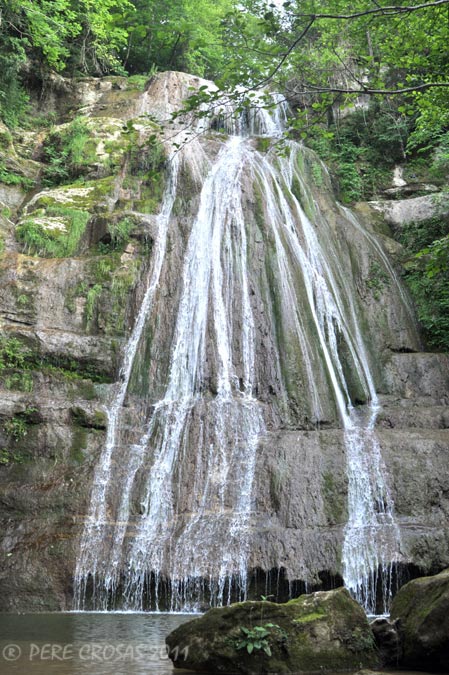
column 321, row 631
column 302, row 498
column 387, row 641
column 71, row 316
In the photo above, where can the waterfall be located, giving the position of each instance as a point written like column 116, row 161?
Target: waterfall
column 177, row 533
column 94, row 531
column 372, row 539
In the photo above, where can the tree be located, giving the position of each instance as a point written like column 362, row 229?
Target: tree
column 50, row 34
column 320, row 54
column 179, row 35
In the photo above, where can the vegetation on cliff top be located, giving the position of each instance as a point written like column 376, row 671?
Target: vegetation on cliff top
column 368, row 86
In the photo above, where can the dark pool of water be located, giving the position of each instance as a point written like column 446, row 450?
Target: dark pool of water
column 75, row 644
column 97, row 644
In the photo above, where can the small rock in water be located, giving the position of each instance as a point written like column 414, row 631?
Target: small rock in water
column 387, row 639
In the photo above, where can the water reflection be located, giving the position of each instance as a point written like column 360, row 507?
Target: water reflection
column 75, row 644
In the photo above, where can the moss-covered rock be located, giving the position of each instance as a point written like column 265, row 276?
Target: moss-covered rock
column 422, row 607
column 325, row 631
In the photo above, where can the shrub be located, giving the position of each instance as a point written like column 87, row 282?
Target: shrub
column 427, row 274
column 67, row 153
column 54, row 242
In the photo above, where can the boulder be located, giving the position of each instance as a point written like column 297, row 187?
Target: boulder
column 398, row 212
column 324, row 631
column 422, row 607
column 387, row 639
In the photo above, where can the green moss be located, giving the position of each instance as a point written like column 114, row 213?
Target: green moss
column 16, row 355
column 304, row 199
column 150, row 193
column 122, row 284
column 258, row 211
column 5, row 139
column 377, row 280
column 79, row 443
column 313, row 616
column 73, row 292
column 69, row 368
column 91, row 300
column 86, row 390
column 317, row 174
column 263, row 144
column 96, row 420
column 16, row 427
column 137, row 81
column 360, row 641
column 82, row 195
column 334, row 500
column 120, row 232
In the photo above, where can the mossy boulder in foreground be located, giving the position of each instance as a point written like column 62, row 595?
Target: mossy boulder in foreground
column 325, row 631
column 422, row 607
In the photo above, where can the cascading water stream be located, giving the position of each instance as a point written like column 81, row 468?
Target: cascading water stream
column 235, row 417
column 93, row 533
column 372, row 539
column 208, row 423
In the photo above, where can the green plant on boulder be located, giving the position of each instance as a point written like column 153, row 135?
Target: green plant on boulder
column 8, row 457
column 9, row 177
column 258, row 638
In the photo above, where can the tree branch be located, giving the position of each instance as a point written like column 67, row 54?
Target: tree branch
column 384, row 11
column 285, row 56
column 312, row 89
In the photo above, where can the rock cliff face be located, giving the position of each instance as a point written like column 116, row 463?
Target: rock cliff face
column 79, row 228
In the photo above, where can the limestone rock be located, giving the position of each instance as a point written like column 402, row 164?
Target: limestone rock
column 422, row 608
column 326, row 630
column 397, row 212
